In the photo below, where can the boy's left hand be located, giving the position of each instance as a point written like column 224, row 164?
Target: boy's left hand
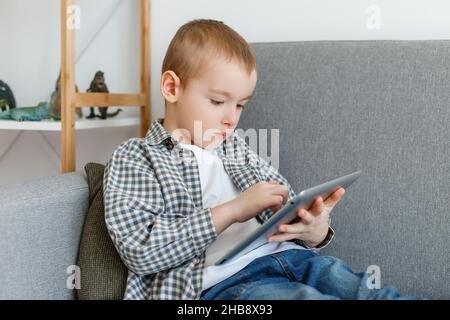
column 313, row 225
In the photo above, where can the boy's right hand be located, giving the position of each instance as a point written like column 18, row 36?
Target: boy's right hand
column 257, row 198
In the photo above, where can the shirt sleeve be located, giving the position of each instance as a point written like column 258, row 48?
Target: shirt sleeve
column 147, row 237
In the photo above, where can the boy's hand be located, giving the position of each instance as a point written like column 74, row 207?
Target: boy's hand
column 257, row 198
column 313, row 225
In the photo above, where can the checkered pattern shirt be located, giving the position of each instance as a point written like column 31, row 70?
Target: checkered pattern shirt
column 154, row 213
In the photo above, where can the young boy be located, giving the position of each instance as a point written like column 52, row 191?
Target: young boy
column 180, row 197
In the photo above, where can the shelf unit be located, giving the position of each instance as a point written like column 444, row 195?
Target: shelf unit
column 70, row 99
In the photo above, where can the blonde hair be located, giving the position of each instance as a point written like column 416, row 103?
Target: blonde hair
column 202, row 39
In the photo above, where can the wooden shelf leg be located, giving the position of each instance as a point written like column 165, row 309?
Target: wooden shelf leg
column 145, row 66
column 68, row 49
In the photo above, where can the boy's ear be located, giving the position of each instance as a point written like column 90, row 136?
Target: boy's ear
column 170, row 86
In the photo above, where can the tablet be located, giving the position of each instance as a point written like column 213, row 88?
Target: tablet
column 287, row 214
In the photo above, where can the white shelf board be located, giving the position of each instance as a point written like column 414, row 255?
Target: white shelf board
column 81, row 124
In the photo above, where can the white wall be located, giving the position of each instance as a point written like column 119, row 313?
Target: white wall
column 29, row 58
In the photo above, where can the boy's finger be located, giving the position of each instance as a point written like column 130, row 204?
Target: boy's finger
column 317, row 206
column 307, row 218
column 275, row 208
column 282, row 191
column 282, row 237
column 334, row 198
column 285, row 194
column 295, row 228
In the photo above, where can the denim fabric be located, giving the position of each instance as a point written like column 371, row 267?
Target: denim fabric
column 297, row 275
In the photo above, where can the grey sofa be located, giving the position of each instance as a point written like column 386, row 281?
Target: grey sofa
column 379, row 106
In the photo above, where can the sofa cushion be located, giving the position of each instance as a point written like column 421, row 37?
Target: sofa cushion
column 103, row 275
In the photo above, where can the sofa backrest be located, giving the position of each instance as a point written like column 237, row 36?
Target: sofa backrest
column 40, row 227
column 382, row 107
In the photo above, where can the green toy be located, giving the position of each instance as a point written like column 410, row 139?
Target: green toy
column 44, row 110
column 37, row 113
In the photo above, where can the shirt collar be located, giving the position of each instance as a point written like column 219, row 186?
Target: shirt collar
column 157, row 133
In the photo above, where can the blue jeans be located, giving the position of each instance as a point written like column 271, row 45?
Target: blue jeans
column 297, row 275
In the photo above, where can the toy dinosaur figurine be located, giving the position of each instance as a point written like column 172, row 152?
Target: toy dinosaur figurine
column 98, row 85
column 43, row 110
column 6, row 97
column 55, row 100
column 40, row 112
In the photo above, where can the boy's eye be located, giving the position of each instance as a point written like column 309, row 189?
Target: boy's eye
column 215, row 102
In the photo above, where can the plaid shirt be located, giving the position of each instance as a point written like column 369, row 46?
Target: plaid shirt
column 154, row 213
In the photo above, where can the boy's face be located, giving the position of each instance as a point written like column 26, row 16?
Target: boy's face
column 210, row 106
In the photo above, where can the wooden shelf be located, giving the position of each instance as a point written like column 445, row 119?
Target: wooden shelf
column 70, row 99
column 82, row 124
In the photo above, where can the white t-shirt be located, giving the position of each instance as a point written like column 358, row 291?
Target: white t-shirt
column 217, row 188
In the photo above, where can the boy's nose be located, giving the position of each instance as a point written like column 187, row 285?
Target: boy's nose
column 229, row 117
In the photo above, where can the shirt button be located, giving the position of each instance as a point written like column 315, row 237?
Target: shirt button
column 168, row 143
